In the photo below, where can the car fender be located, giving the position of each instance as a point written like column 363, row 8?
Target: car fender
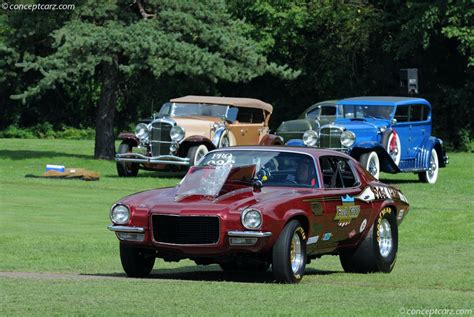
column 386, row 163
column 424, row 155
column 130, row 137
column 299, row 215
column 271, row 139
column 194, row 140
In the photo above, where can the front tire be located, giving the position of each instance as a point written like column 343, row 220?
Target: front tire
column 126, row 169
column 195, row 153
column 289, row 254
column 430, row 176
column 378, row 251
column 136, row 262
column 370, row 161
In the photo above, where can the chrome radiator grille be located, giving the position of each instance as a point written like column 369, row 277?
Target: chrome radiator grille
column 160, row 138
column 330, row 138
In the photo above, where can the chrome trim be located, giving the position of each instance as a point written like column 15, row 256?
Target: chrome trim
column 217, row 135
column 249, row 234
column 320, row 184
column 161, row 159
column 332, row 126
column 168, row 120
column 126, row 229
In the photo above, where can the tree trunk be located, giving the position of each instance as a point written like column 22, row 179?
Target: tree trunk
column 104, row 126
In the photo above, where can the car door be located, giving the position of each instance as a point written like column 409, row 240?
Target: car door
column 403, row 129
column 249, row 128
column 420, row 127
column 345, row 215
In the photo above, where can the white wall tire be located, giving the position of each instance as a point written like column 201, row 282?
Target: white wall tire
column 431, row 175
column 370, row 161
column 224, row 140
column 195, row 153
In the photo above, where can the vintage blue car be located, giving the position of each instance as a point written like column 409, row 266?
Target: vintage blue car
column 389, row 134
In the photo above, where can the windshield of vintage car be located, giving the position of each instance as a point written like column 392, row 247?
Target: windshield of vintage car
column 273, row 168
column 193, row 109
column 365, row 111
column 322, row 111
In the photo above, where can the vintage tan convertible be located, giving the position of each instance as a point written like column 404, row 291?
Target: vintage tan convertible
column 187, row 128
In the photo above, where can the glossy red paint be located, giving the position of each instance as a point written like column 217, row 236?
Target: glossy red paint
column 315, row 208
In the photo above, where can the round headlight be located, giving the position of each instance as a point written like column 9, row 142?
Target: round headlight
column 348, row 138
column 310, row 138
column 141, row 131
column 120, row 214
column 251, row 218
column 177, row 133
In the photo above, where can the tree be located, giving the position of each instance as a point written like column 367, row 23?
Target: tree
column 108, row 42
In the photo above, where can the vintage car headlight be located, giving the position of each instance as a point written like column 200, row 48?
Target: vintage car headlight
column 348, row 138
column 251, row 218
column 310, row 138
column 120, row 214
column 141, row 131
column 177, row 133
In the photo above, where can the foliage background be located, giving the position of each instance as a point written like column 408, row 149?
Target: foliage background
column 340, row 48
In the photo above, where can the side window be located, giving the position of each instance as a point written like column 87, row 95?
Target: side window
column 337, row 172
column 402, row 114
column 416, row 113
column 328, row 111
column 250, row 115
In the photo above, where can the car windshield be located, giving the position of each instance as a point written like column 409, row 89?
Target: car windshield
column 193, row 109
column 325, row 110
column 366, row 112
column 273, row 168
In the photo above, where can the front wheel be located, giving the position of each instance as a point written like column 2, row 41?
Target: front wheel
column 370, row 161
column 378, row 251
column 289, row 254
column 126, row 169
column 195, row 153
column 136, row 262
column 431, row 175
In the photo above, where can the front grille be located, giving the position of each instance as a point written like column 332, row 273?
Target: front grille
column 330, row 138
column 160, row 138
column 185, row 229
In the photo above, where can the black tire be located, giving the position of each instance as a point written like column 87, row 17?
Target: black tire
column 126, row 169
column 367, row 257
column 195, row 153
column 366, row 161
column 136, row 262
column 281, row 264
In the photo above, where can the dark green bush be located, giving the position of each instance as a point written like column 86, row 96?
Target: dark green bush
column 45, row 131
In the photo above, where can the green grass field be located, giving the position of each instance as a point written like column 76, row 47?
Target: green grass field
column 58, row 228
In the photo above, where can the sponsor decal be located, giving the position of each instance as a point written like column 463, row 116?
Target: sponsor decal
column 327, row 236
column 317, row 208
column 363, row 225
column 352, row 234
column 347, row 211
column 384, row 211
column 372, row 193
column 312, row 240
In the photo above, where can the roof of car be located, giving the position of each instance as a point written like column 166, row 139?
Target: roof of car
column 298, row 149
column 383, row 101
column 233, row 101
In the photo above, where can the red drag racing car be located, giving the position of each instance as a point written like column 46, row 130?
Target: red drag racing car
column 247, row 208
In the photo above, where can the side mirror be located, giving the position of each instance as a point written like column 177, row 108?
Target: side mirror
column 257, row 184
column 393, row 121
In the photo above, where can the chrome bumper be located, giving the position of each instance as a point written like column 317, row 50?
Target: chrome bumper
column 248, row 234
column 126, row 229
column 162, row 159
